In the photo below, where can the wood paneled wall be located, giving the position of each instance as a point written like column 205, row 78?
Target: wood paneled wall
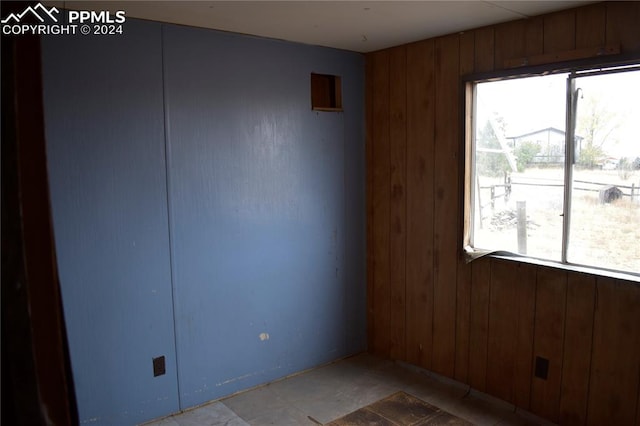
column 484, row 323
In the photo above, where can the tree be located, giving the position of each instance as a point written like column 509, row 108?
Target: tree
column 490, row 160
column 525, row 152
column 625, row 168
column 597, row 124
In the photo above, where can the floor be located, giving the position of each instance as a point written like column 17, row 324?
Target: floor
column 327, row 393
column 400, row 409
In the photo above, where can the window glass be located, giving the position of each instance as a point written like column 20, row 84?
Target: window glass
column 519, row 165
column 605, row 198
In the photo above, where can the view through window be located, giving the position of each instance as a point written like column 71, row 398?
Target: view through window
column 535, row 195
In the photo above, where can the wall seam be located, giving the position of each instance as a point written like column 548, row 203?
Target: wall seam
column 460, row 183
column 344, row 275
column 170, row 227
column 433, row 206
column 370, row 230
column 488, row 339
column 593, row 329
column 405, row 193
column 533, row 345
column 564, row 337
column 389, row 327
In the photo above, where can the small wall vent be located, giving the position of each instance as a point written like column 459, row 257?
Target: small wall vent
column 326, row 92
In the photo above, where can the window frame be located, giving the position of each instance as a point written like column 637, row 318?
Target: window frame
column 574, row 70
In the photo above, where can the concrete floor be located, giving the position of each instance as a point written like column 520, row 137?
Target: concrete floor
column 329, row 392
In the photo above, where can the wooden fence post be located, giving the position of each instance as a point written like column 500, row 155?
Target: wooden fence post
column 507, row 187
column 493, row 197
column 521, row 209
column 479, row 200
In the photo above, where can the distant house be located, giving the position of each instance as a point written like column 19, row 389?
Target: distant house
column 551, row 142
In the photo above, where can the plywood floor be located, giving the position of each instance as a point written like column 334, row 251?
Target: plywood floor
column 331, row 392
column 399, row 409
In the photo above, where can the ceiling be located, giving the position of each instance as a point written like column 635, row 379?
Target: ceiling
column 361, row 26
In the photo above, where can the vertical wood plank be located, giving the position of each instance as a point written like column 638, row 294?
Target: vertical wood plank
column 446, row 184
column 398, row 207
column 463, row 287
column 463, row 313
column 622, row 25
column 526, row 304
column 551, row 294
column 577, row 348
column 465, row 163
column 638, row 408
column 369, row 95
column 591, row 26
column 560, row 31
column 503, row 327
column 381, row 190
column 615, row 365
column 510, row 333
column 534, row 36
column 479, row 322
column 467, row 52
column 420, row 201
column 484, row 48
column 509, row 42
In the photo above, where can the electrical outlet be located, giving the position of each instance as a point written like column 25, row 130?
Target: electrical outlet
column 542, row 368
column 158, row 366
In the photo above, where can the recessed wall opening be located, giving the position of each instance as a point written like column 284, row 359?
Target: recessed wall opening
column 326, row 92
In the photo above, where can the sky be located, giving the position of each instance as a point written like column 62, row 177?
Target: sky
column 535, row 103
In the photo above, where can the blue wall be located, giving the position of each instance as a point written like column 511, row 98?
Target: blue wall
column 105, row 146
column 203, row 212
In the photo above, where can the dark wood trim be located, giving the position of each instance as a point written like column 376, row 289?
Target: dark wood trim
column 569, row 55
column 554, row 68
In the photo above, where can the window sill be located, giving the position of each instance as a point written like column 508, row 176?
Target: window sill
column 568, row 267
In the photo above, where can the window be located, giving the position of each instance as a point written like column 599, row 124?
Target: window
column 554, row 167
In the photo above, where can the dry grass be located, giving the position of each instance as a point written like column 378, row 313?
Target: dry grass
column 607, row 235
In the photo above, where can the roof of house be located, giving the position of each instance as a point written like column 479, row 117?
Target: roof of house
column 547, row 129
